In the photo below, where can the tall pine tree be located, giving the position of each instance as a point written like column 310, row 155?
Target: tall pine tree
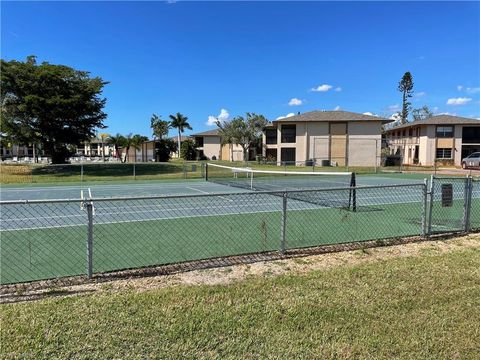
column 405, row 86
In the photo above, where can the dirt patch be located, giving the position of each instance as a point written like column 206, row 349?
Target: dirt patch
column 229, row 274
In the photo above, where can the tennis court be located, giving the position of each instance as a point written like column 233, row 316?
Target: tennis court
column 171, row 222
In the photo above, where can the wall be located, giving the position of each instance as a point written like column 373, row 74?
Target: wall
column 364, row 143
column 211, row 146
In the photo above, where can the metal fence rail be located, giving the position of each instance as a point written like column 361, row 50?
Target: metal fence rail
column 48, row 239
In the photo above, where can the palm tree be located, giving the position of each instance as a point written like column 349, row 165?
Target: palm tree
column 227, row 135
column 159, row 127
column 179, row 122
column 117, row 141
column 103, row 138
column 127, row 144
column 136, row 143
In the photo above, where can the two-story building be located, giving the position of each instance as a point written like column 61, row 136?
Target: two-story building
column 444, row 139
column 209, row 145
column 338, row 138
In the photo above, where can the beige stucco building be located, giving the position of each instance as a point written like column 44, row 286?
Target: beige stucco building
column 209, row 144
column 443, row 139
column 337, row 138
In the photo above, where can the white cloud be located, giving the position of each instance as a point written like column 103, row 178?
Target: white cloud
column 420, row 94
column 322, row 88
column 223, row 116
column 286, row 116
column 392, row 108
column 458, row 101
column 472, row 90
column 295, row 102
column 338, row 88
column 468, row 90
column 369, row 113
column 447, row 113
column 337, row 108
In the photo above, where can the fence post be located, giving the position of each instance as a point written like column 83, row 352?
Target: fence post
column 89, row 207
column 283, row 224
column 134, row 172
column 467, row 203
column 424, row 209
column 430, row 206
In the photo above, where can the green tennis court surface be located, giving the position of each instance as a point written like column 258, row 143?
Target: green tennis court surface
column 48, row 240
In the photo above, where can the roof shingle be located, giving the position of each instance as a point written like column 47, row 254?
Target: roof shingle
column 339, row 115
column 439, row 120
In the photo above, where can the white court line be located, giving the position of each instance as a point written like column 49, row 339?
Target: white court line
column 206, row 192
column 100, row 186
column 100, row 212
column 150, row 219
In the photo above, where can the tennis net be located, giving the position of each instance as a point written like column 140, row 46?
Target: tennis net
column 290, row 181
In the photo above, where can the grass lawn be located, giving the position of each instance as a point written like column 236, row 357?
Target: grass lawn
column 422, row 305
column 119, row 172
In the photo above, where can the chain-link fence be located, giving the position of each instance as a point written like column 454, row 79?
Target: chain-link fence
column 52, row 239
column 99, row 171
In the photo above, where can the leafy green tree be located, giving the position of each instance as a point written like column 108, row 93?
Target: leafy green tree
column 164, row 149
column 245, row 132
column 117, row 141
column 179, row 122
column 188, row 150
column 422, row 113
column 51, row 105
column 405, row 86
column 159, row 127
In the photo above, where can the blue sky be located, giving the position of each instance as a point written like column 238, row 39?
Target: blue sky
column 199, row 58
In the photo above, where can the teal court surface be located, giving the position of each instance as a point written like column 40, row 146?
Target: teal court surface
column 141, row 224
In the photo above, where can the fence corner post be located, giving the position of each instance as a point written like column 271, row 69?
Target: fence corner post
column 424, row 209
column 430, row 206
column 89, row 207
column 283, row 223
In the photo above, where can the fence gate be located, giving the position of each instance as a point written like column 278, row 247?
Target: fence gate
column 449, row 204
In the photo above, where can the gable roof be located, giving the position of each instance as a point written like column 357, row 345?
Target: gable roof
column 213, row 132
column 337, row 115
column 439, row 120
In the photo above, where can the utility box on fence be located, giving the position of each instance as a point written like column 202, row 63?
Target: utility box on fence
column 447, row 195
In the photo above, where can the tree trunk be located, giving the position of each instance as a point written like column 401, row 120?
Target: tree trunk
column 404, row 106
column 245, row 153
column 179, row 144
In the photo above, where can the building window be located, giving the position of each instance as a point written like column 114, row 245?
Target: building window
column 271, row 136
column 288, row 155
column 288, row 133
column 410, row 132
column 443, row 153
column 444, row 131
column 199, row 141
column 471, row 135
column 404, row 133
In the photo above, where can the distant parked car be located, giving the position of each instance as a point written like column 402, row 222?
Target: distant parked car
column 472, row 160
